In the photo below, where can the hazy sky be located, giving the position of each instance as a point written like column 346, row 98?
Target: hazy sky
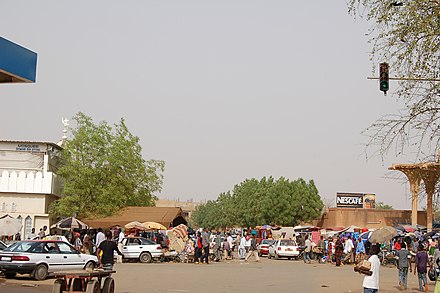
column 220, row 90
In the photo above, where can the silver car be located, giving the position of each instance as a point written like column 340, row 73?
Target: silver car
column 39, row 258
column 141, row 249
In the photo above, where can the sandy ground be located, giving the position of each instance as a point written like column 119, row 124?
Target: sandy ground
column 230, row 276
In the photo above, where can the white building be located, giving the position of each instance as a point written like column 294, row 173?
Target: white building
column 28, row 181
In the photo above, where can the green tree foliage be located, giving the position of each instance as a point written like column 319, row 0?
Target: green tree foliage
column 382, row 206
column 256, row 202
column 406, row 34
column 103, row 171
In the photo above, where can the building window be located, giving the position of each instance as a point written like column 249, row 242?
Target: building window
column 27, row 226
column 3, row 207
column 13, row 207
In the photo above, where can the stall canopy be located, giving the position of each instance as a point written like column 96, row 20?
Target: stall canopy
column 17, row 64
column 169, row 217
column 9, row 226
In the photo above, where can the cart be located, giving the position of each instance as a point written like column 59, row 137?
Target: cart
column 84, row 281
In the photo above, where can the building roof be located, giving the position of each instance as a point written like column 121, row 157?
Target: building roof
column 162, row 215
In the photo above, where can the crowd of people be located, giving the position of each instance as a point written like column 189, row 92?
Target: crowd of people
column 416, row 253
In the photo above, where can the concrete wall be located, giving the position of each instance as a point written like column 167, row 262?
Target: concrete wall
column 366, row 218
column 33, row 207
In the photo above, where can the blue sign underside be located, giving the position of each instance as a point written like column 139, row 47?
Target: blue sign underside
column 17, row 64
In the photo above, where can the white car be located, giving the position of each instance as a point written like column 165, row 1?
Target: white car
column 2, row 245
column 283, row 248
column 51, row 237
column 141, row 249
column 39, row 258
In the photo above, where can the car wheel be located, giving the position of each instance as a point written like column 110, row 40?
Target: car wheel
column 276, row 256
column 10, row 275
column 89, row 266
column 145, row 257
column 40, row 272
column 59, row 286
column 289, row 258
column 269, row 256
column 93, row 287
column 78, row 284
column 109, row 285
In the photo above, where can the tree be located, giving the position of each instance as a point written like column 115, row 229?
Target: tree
column 382, row 206
column 256, row 202
column 103, row 171
column 406, row 34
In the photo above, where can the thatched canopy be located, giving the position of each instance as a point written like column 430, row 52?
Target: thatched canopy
column 167, row 216
column 429, row 172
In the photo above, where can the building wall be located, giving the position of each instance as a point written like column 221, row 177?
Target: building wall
column 367, row 218
column 187, row 206
column 27, row 184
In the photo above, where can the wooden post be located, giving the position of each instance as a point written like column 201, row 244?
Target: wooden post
column 414, row 182
column 429, row 178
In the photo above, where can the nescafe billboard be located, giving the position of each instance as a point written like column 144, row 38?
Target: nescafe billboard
column 349, row 200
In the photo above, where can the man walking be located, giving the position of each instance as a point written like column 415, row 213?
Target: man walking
column 371, row 280
column 420, row 268
column 402, row 264
column 121, row 237
column 348, row 248
column 242, row 247
column 99, row 237
column 307, row 250
column 108, row 247
column 205, row 244
column 252, row 250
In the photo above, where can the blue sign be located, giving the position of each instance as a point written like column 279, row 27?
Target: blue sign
column 17, row 64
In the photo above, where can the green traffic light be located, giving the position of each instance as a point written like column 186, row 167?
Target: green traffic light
column 384, row 86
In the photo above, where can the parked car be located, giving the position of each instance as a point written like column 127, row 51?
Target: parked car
column 263, row 247
column 141, row 248
column 39, row 258
column 283, row 248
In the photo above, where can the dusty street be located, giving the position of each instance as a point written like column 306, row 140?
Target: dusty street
column 231, row 276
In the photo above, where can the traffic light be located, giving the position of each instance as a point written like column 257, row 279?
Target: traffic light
column 384, row 83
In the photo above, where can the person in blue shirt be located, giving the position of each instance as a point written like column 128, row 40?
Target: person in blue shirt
column 360, row 250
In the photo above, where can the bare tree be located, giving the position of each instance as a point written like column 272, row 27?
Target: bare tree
column 406, row 34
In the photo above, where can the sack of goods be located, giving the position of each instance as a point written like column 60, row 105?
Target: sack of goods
column 363, row 267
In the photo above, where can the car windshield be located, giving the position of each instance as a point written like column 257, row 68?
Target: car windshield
column 287, row 243
column 21, row 246
column 267, row 241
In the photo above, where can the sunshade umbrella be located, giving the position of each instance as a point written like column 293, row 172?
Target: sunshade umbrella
column 70, row 223
column 366, row 235
column 136, row 225
column 383, row 234
column 154, row 226
column 9, row 226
